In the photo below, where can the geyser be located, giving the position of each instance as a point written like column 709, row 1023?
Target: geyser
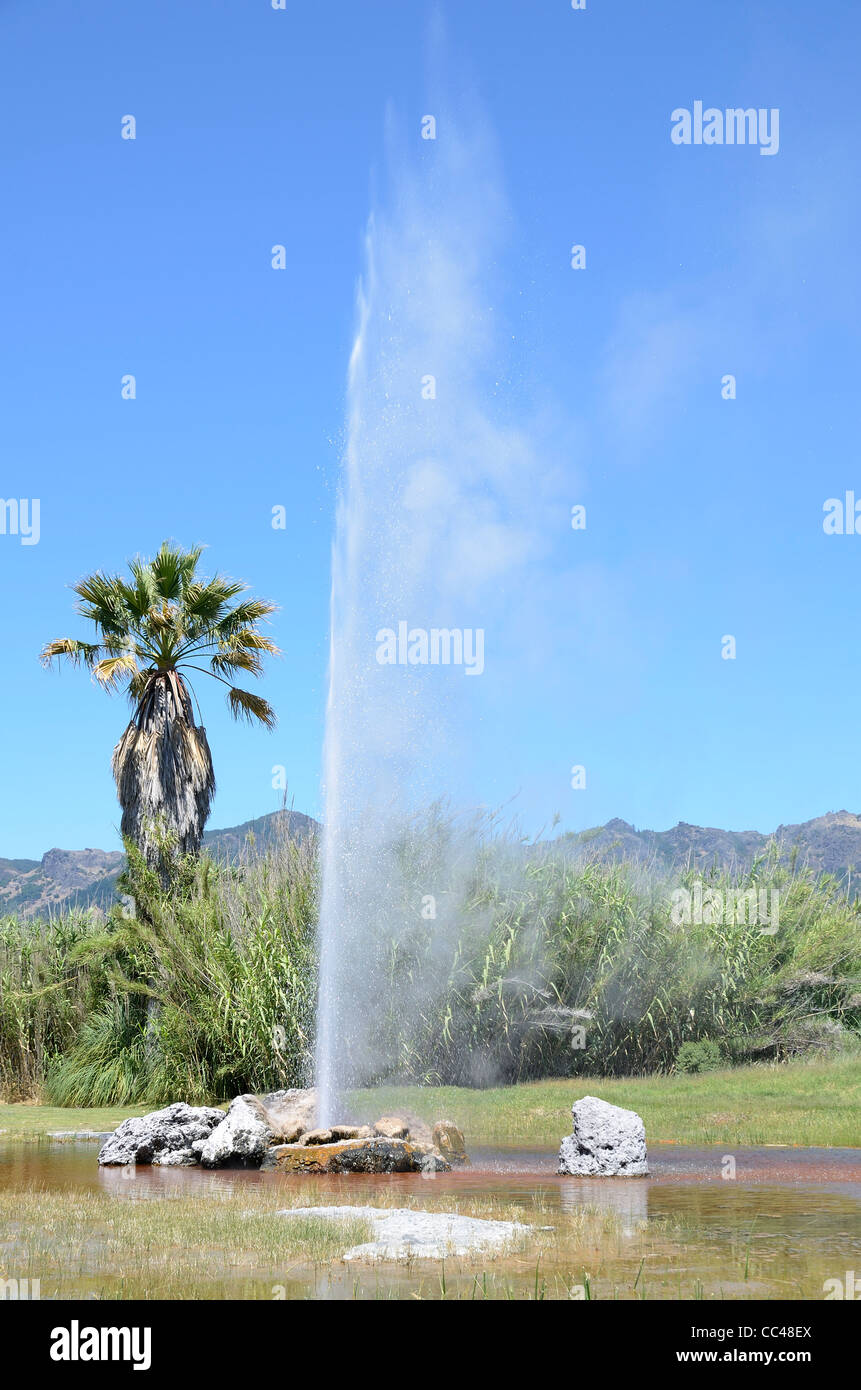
column 429, row 521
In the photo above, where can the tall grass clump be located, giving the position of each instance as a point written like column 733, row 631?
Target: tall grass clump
column 45, row 997
column 209, row 986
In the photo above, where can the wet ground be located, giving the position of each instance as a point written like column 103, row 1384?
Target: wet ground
column 765, row 1222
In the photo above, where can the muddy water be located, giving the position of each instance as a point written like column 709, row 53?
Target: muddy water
column 510, row 1174
column 784, row 1223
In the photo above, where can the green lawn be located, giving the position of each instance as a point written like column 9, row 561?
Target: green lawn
column 30, row 1121
column 803, row 1103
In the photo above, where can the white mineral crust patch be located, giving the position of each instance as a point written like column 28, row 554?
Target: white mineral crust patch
column 430, row 1235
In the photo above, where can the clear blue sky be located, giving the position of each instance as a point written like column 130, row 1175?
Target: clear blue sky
column 256, row 127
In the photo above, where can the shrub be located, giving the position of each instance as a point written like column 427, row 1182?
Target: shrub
column 704, row 1055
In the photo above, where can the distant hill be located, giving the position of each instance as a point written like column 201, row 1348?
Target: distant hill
column 258, row 833
column 828, row 844
column 61, row 878
column 65, row 878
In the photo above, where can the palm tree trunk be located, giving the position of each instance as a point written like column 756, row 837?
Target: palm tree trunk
column 164, row 775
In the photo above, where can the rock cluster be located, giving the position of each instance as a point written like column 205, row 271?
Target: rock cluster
column 278, row 1131
column 606, row 1142
column 365, row 1155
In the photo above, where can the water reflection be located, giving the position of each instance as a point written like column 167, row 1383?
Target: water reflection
column 628, row 1199
column 681, row 1178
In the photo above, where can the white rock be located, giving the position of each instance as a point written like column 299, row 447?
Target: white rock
column 402, row 1233
column 243, row 1136
column 607, row 1142
column 153, row 1138
column 176, row 1158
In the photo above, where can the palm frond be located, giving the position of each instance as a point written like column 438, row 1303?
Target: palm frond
column 244, row 705
column 252, row 640
column 241, row 616
column 223, row 663
column 173, row 569
column 78, row 653
column 241, row 652
column 143, row 594
column 110, row 671
column 204, row 602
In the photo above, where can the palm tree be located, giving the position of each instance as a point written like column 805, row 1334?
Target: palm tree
column 150, row 631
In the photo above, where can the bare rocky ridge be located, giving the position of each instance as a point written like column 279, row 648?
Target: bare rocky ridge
column 61, row 879
column 828, row 844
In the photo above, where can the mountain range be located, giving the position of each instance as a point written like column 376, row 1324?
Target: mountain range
column 828, row 844
column 65, row 878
